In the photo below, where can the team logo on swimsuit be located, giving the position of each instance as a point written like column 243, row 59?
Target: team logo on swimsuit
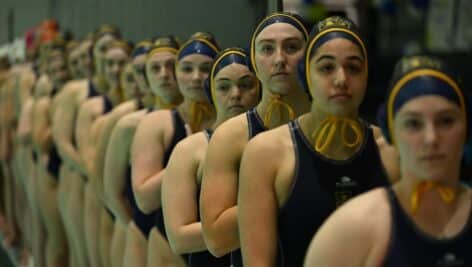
column 345, row 181
column 449, row 260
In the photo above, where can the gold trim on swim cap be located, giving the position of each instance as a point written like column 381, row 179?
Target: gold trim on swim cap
column 256, row 31
column 318, row 36
column 207, row 42
column 335, row 21
column 120, row 44
column 212, row 72
column 410, row 76
column 161, row 49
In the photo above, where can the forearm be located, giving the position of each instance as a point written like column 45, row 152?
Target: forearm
column 148, row 193
column 222, row 235
column 187, row 239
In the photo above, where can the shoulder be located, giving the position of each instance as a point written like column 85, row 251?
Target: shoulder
column 272, row 141
column 131, row 120
column 232, row 133
column 192, row 143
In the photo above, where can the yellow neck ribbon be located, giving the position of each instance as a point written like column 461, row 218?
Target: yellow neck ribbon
column 323, row 136
column 197, row 112
column 276, row 102
column 447, row 194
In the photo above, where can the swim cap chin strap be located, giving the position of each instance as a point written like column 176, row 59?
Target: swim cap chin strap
column 323, row 136
column 197, row 111
column 447, row 194
column 276, row 103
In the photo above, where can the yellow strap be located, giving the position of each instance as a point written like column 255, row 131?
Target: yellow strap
column 275, row 101
column 446, row 193
column 197, row 111
column 162, row 104
column 324, row 135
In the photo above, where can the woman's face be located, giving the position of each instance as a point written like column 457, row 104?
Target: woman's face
column 430, row 133
column 115, row 60
column 57, row 70
column 139, row 69
column 85, row 60
column 99, row 51
column 160, row 74
column 191, row 72
column 338, row 74
column 278, row 48
column 73, row 63
column 235, row 89
column 128, row 83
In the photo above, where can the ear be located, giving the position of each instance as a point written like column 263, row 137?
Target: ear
column 207, row 90
column 382, row 122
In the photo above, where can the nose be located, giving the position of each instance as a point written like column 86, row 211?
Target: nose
column 197, row 75
column 235, row 93
column 431, row 134
column 340, row 78
column 280, row 58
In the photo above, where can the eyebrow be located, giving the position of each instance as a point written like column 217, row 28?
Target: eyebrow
column 350, row 58
column 271, row 40
column 440, row 112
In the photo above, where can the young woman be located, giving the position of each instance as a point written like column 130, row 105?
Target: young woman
column 424, row 219
column 160, row 62
column 69, row 138
column 96, row 117
column 323, row 158
column 277, row 45
column 159, row 132
column 233, row 90
column 47, row 158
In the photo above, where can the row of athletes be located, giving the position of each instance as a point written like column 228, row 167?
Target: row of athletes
column 203, row 157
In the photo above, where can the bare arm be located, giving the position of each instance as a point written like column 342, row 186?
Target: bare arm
column 103, row 141
column 25, row 123
column 117, row 160
column 147, row 155
column 179, row 193
column 86, row 132
column 344, row 229
column 41, row 130
column 63, row 129
column 257, row 203
column 219, row 190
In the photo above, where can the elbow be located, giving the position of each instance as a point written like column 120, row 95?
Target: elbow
column 217, row 249
column 142, row 203
column 177, row 246
column 216, row 246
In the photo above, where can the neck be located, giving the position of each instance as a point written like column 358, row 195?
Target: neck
column 166, row 103
column 100, row 84
column 198, row 119
column 297, row 100
column 332, row 133
column 432, row 211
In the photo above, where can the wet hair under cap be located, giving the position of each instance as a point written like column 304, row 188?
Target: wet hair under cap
column 324, row 31
column 142, row 48
column 416, row 76
column 224, row 58
column 104, row 30
column 199, row 43
column 278, row 17
column 127, row 47
column 164, row 43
